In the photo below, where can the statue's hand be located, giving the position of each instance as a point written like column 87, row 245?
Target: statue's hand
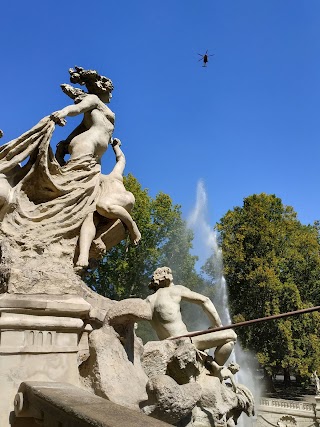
column 116, row 141
column 58, row 118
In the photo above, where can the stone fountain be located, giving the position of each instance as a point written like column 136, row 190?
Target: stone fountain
column 67, row 353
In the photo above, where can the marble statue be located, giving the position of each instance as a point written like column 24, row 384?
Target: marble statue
column 188, row 387
column 81, row 212
column 167, row 320
column 114, row 202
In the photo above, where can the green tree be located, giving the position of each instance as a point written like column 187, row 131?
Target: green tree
column 125, row 271
column 272, row 265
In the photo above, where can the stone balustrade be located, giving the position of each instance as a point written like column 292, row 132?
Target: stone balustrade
column 288, row 404
column 275, row 412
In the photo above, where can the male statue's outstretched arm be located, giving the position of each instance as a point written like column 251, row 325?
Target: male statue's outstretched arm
column 205, row 302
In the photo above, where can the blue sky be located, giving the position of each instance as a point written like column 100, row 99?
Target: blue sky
column 248, row 123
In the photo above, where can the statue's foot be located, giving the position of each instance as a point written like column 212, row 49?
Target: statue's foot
column 135, row 235
column 82, row 262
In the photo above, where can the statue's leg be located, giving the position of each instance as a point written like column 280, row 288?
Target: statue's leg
column 224, row 342
column 5, row 189
column 118, row 212
column 222, row 353
column 87, row 234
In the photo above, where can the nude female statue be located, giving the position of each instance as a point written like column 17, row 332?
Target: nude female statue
column 91, row 138
column 63, row 194
column 94, row 133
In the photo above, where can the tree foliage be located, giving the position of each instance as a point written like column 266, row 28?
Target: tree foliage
column 126, row 270
column 272, row 265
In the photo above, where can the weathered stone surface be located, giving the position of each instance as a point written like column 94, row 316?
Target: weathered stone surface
column 172, row 390
column 156, row 356
column 176, row 358
column 184, row 365
column 113, row 373
column 171, row 365
column 67, row 405
column 46, row 304
column 219, row 404
column 169, row 401
column 128, row 311
column 100, row 305
column 48, row 272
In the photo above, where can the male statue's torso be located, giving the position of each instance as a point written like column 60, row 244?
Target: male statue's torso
column 166, row 319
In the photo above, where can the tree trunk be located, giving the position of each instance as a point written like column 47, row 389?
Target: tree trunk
column 286, row 377
column 268, row 383
column 298, row 380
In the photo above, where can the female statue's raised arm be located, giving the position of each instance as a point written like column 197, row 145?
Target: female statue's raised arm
column 88, row 103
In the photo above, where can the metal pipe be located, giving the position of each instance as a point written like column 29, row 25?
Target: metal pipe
column 247, row 322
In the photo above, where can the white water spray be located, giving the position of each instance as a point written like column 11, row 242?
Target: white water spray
column 206, row 243
column 208, row 237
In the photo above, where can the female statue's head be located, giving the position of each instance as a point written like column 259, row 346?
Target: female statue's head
column 96, row 84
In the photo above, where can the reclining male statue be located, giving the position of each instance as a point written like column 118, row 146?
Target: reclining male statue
column 167, row 320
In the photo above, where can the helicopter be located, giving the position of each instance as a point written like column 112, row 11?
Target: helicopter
column 205, row 58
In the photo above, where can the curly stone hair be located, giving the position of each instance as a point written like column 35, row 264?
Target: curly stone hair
column 94, row 82
column 163, row 274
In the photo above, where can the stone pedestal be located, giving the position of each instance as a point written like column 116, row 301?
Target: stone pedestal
column 42, row 338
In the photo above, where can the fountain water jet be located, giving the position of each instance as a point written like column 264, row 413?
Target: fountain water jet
column 207, row 239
